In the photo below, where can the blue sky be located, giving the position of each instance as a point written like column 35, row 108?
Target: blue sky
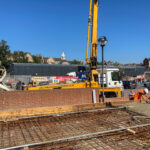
column 49, row 27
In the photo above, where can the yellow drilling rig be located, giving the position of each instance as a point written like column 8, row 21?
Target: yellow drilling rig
column 92, row 61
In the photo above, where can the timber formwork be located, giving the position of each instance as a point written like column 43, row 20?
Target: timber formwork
column 109, row 129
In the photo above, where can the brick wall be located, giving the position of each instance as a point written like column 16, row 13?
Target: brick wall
column 45, row 98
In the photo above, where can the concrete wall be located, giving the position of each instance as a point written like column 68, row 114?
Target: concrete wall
column 46, row 98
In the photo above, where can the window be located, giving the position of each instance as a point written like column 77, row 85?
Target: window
column 115, row 76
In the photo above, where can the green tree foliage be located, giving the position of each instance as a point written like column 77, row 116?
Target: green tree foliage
column 116, row 63
column 122, row 73
column 76, row 62
column 19, row 57
column 5, row 54
column 37, row 59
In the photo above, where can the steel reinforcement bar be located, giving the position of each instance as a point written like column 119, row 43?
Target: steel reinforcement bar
column 76, row 137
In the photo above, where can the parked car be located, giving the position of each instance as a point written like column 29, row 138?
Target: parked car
column 147, row 84
column 129, row 84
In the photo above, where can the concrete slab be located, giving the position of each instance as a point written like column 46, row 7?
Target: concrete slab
column 139, row 107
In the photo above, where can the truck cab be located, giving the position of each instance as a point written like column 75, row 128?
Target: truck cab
column 112, row 79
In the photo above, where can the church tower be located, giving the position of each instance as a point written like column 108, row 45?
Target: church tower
column 63, row 57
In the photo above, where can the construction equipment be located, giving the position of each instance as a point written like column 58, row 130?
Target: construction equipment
column 2, row 76
column 93, row 57
column 111, row 79
column 92, row 82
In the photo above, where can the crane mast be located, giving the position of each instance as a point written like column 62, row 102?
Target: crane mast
column 88, row 36
column 93, row 13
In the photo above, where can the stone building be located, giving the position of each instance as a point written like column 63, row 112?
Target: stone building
column 52, row 60
column 146, row 63
column 30, row 59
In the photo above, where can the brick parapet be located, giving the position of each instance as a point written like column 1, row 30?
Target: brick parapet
column 46, row 98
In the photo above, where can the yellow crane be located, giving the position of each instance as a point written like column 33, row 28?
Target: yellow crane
column 92, row 61
column 93, row 14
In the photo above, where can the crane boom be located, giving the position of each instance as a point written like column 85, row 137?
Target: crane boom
column 94, row 30
column 88, row 36
column 93, row 54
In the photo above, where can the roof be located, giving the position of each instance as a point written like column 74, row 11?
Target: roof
column 147, row 59
column 43, row 69
column 34, row 64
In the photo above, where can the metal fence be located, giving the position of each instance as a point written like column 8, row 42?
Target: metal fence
column 13, row 79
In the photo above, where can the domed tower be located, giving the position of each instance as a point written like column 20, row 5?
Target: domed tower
column 63, row 57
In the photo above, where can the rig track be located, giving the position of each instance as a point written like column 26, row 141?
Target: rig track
column 102, row 129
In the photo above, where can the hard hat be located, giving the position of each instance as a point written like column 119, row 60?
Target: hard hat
column 146, row 91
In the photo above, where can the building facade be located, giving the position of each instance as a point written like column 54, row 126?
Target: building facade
column 30, row 59
column 51, row 60
column 146, row 63
column 27, row 69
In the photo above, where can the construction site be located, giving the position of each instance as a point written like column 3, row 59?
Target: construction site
column 91, row 114
column 118, row 124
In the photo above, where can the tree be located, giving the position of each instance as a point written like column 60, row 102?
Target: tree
column 20, row 57
column 116, row 63
column 76, row 62
column 122, row 73
column 5, row 54
column 37, row 58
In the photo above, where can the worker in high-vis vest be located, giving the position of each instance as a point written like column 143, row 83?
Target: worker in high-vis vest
column 141, row 95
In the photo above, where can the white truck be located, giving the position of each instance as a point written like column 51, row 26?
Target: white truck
column 112, row 79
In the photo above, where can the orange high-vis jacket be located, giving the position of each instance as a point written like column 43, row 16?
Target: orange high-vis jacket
column 138, row 95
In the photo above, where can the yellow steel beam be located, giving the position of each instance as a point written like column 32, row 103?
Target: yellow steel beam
column 65, row 86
